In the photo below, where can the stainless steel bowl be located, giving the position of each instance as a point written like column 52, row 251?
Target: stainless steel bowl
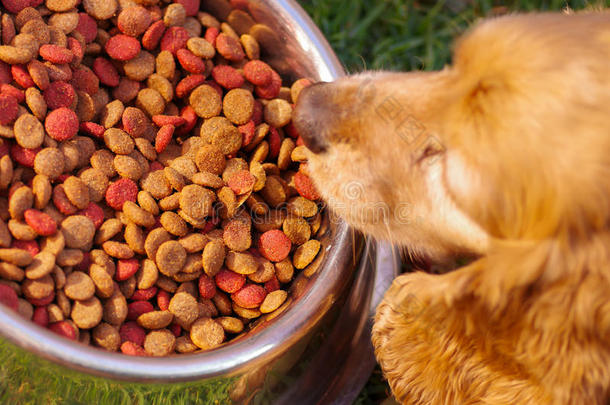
column 319, row 330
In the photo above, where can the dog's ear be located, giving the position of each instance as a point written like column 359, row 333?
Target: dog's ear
column 526, row 125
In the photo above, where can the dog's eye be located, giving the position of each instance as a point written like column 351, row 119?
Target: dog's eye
column 428, row 152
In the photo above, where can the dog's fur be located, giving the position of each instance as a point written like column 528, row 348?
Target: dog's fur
column 504, row 155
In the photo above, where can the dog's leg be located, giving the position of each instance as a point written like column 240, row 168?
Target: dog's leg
column 423, row 341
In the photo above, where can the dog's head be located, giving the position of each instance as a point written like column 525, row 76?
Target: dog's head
column 511, row 142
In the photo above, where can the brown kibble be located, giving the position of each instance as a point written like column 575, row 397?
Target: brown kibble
column 165, row 64
column 207, row 333
column 246, row 312
column 284, row 271
column 196, row 201
column 127, row 167
column 273, row 192
column 102, row 160
column 39, row 288
column 140, row 67
column 88, row 313
column 173, row 223
column 170, row 257
column 154, row 239
column 220, row 132
column 77, row 192
column 79, row 286
column 78, row 231
column 138, row 215
column 213, row 257
column 147, row 275
column 194, row 242
column 272, row 301
column 150, row 101
column 303, row 207
column 171, row 202
column 115, row 308
column 241, row 263
column 184, row 344
column 29, row 132
column 155, row 319
column 210, row 158
column 102, row 281
column 206, row 101
column 69, row 257
column 11, row 272
column 108, row 230
column 49, row 162
column 118, row 141
column 18, row 257
column 160, row 343
column 41, row 187
column 162, row 85
column 175, row 179
column 278, row 113
column 200, row 47
column 35, row 102
column 100, row 9
column 21, row 200
column 117, row 250
column 107, row 336
column 238, row 106
column 185, row 309
column 305, row 253
column 147, row 202
column 41, row 265
column 156, row 184
column 297, row 229
column 231, row 324
column 112, row 113
column 207, row 179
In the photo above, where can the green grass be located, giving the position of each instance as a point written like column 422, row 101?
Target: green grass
column 407, row 35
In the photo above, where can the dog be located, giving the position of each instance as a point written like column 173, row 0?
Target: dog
column 503, row 156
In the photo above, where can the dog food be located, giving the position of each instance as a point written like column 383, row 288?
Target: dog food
column 155, row 197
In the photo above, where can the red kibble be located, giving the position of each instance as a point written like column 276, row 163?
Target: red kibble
column 120, row 191
column 56, row 54
column 64, row 329
column 85, row 263
column 291, row 130
column 76, row 48
column 5, row 73
column 41, row 316
column 208, row 227
column 30, row 246
column 247, row 132
column 154, row 166
column 60, row 199
column 258, row 72
column 305, row 186
column 137, row 308
column 23, row 156
column 207, row 288
column 229, row 281
column 152, row 36
column 241, row 182
column 164, row 136
column 122, row 47
column 272, row 285
column 21, row 76
column 190, row 118
column 42, row 301
column 186, row 85
column 40, row 222
column 144, row 295
column 274, row 245
column 61, row 124
column 59, row 72
column 174, row 120
column 190, row 62
column 227, row 77
column 132, row 349
column 191, row 6
column 9, row 109
column 87, row 27
column 95, row 213
column 211, row 34
column 250, row 296
column 85, row 80
column 93, row 129
column 300, row 141
column 126, row 268
column 132, row 332
column 8, row 297
column 134, row 121
column 173, row 39
column 15, row 6
column 229, row 48
column 106, row 72
column 275, row 142
column 272, row 90
column 59, row 94
column 257, row 114
column 13, row 91
column 175, row 329
column 163, row 300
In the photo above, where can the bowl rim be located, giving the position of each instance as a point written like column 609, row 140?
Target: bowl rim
column 230, row 359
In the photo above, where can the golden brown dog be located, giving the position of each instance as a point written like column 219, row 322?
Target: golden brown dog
column 505, row 155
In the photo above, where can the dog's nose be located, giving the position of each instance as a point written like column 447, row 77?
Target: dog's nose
column 309, row 116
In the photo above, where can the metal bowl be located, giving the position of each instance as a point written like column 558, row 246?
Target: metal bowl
column 318, row 330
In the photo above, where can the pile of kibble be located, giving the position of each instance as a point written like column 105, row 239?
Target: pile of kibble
column 154, row 195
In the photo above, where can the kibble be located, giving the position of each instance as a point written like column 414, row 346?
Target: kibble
column 157, row 198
